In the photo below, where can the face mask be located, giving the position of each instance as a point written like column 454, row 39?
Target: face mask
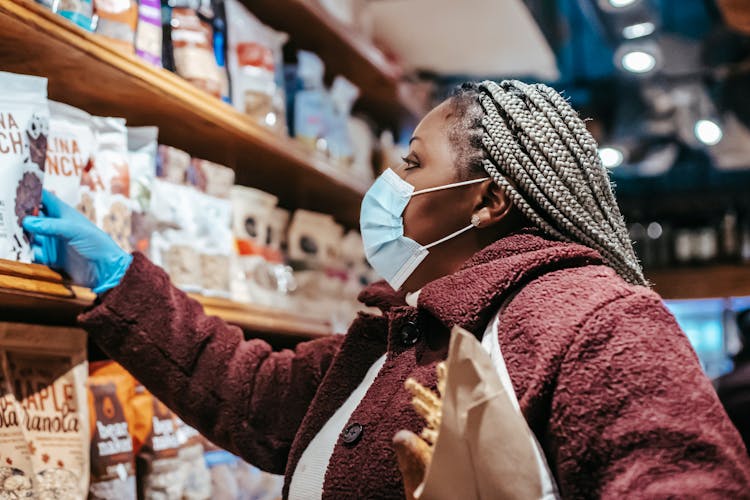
column 389, row 252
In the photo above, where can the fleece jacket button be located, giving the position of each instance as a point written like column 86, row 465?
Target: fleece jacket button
column 409, row 334
column 352, row 434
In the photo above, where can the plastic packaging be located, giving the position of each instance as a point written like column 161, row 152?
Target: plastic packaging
column 252, row 209
column 172, row 164
column 79, row 12
column 116, row 20
column 70, row 148
column 24, row 127
column 44, row 439
column 112, row 455
column 148, row 35
column 254, row 53
column 105, row 188
column 311, row 104
column 192, row 44
column 211, row 178
column 343, row 94
column 142, row 151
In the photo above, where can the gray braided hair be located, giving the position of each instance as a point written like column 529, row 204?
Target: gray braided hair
column 532, row 143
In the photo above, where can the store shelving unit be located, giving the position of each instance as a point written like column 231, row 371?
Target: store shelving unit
column 384, row 94
column 34, row 293
column 83, row 70
column 701, row 282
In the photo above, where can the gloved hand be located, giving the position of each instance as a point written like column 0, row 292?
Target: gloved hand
column 65, row 239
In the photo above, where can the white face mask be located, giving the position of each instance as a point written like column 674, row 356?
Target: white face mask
column 389, row 252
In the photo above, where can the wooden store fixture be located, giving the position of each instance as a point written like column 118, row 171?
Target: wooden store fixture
column 84, row 71
column 32, row 293
column 711, row 281
column 385, row 95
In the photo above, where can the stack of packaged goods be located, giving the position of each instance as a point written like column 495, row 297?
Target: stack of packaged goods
column 186, row 214
column 222, row 48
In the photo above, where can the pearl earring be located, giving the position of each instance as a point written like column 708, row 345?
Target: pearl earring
column 475, row 221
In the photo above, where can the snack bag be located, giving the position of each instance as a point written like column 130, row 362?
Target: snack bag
column 105, row 188
column 252, row 59
column 70, row 147
column 211, row 178
column 116, row 20
column 44, row 439
column 148, row 36
column 24, row 126
column 112, row 458
column 192, row 44
column 142, row 151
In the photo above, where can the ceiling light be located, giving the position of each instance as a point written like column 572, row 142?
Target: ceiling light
column 638, row 30
column 654, row 230
column 619, row 4
column 708, row 132
column 638, row 61
column 611, row 157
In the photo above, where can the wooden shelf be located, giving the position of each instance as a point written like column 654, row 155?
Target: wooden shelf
column 34, row 293
column 384, row 94
column 702, row 282
column 86, row 72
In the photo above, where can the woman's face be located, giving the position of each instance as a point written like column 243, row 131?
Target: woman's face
column 428, row 217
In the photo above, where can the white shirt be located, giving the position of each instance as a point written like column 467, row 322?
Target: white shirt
column 309, row 476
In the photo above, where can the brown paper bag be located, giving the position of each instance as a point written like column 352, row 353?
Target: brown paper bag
column 485, row 448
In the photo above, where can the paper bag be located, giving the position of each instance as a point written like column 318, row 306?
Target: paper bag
column 485, row 448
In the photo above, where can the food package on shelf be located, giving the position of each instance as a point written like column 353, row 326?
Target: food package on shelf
column 276, row 240
column 148, row 35
column 80, row 12
column 309, row 237
column 342, row 95
column 312, row 104
column 116, row 21
column 165, row 450
column 110, row 390
column 255, row 52
column 233, row 479
column 211, row 178
column 70, row 147
column 44, row 436
column 214, row 242
column 363, row 144
column 142, row 150
column 252, row 210
column 191, row 40
column 24, row 127
column 172, row 164
column 254, row 278
column 173, row 245
column 105, row 186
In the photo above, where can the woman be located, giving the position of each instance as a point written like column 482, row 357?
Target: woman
column 504, row 185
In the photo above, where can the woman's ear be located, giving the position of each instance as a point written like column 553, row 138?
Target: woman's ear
column 492, row 206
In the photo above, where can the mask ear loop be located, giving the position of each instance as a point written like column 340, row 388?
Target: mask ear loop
column 450, row 236
column 448, row 186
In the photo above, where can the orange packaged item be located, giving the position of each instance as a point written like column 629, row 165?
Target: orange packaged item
column 112, row 457
column 116, row 20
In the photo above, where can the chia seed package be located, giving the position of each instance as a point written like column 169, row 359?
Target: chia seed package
column 24, row 126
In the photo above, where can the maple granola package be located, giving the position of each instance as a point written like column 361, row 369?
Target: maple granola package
column 44, row 438
column 110, row 389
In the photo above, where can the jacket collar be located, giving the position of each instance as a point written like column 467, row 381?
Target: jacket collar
column 470, row 296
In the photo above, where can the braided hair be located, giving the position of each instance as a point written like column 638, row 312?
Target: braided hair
column 532, row 143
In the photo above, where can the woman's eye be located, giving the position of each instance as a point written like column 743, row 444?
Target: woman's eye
column 409, row 163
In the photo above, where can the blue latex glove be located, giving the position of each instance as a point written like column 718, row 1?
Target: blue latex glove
column 65, row 239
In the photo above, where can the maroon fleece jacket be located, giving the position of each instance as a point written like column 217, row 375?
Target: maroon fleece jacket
column 605, row 378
